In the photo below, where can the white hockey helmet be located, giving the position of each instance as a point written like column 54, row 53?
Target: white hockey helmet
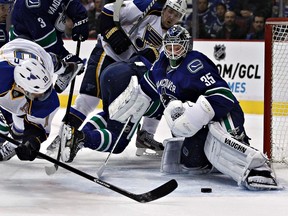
column 177, row 5
column 34, row 79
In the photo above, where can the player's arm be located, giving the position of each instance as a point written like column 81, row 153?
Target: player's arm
column 78, row 14
column 112, row 33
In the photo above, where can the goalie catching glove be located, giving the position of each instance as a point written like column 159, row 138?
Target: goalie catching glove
column 186, row 119
column 131, row 102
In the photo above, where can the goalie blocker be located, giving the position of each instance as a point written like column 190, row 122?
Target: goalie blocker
column 247, row 166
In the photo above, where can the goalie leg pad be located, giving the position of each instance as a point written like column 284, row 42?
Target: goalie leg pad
column 131, row 102
column 233, row 158
column 170, row 162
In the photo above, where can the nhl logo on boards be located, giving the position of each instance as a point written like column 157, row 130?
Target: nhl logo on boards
column 219, row 52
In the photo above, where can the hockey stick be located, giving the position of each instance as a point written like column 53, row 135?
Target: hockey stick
column 50, row 170
column 101, row 169
column 157, row 193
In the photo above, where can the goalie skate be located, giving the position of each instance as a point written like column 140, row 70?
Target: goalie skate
column 261, row 180
column 147, row 146
column 72, row 141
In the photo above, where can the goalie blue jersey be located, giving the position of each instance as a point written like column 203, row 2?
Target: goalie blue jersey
column 196, row 75
column 44, row 21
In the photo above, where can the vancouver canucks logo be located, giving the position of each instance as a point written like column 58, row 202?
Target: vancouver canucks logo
column 219, row 52
column 195, row 65
column 33, row 3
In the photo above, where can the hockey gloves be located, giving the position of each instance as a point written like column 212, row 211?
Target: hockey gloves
column 28, row 150
column 117, row 39
column 151, row 54
column 80, row 30
column 77, row 60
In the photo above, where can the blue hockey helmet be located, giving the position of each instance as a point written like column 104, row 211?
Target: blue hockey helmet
column 176, row 42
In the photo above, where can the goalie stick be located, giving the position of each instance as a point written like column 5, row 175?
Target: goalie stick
column 50, row 170
column 149, row 196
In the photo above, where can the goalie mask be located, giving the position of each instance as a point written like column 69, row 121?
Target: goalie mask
column 33, row 78
column 176, row 42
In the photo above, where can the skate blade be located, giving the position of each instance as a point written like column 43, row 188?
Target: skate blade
column 140, row 152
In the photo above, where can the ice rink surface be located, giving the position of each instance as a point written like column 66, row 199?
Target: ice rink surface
column 26, row 190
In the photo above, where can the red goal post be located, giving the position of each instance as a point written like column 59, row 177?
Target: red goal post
column 276, row 90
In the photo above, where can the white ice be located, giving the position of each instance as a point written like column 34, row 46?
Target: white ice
column 26, row 190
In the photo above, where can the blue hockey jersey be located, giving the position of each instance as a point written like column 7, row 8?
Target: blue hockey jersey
column 196, row 75
column 44, row 21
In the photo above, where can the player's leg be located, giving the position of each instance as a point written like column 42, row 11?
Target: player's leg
column 88, row 98
column 98, row 134
column 246, row 165
column 145, row 142
column 182, row 155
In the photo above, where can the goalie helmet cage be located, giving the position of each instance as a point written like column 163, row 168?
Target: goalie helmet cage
column 276, row 90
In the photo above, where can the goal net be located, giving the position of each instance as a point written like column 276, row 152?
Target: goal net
column 276, row 90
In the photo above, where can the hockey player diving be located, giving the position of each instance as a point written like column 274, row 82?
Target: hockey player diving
column 28, row 100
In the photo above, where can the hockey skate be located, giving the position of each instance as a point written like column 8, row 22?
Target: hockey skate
column 146, row 145
column 64, row 79
column 7, row 151
column 52, row 149
column 72, row 141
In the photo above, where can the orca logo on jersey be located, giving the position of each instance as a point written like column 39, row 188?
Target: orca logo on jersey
column 33, row 3
column 195, row 66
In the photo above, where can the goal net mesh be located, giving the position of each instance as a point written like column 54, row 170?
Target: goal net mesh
column 276, row 94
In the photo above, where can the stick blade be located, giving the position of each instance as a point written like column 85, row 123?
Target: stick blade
column 101, row 170
column 157, row 193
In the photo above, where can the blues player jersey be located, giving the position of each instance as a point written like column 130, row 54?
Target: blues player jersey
column 44, row 21
column 12, row 54
column 196, row 75
column 149, row 32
